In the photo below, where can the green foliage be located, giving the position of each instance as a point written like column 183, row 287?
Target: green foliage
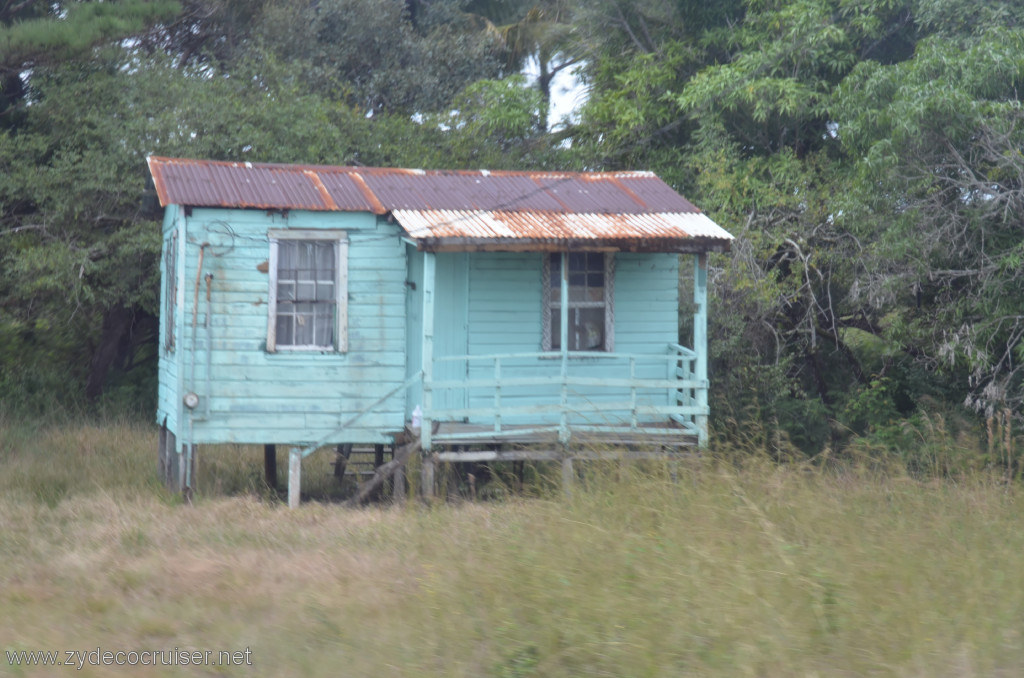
column 864, row 153
column 62, row 30
column 495, row 124
column 369, row 54
column 501, row 111
column 936, row 141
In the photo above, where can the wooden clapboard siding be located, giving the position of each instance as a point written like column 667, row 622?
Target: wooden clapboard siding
column 414, row 327
column 646, row 302
column 451, row 318
column 168, row 391
column 505, row 307
column 289, row 397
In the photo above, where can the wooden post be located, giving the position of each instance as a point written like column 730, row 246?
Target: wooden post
column 378, row 461
column 270, row 465
column 343, row 452
column 161, row 453
column 194, row 465
column 398, row 481
column 568, row 475
column 181, row 482
column 563, row 422
column 188, row 464
column 700, row 343
column 429, row 275
column 171, row 463
column 294, row 478
column 427, row 473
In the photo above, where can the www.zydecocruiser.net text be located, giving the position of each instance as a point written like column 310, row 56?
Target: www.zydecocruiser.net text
column 79, row 659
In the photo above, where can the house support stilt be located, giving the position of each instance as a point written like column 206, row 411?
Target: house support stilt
column 700, row 342
column 294, row 478
column 270, row 465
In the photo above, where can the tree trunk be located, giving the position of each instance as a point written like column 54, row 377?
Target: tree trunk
column 117, row 323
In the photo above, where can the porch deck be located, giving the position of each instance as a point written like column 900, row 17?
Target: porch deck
column 476, row 443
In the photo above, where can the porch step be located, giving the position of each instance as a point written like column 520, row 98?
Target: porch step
column 362, row 460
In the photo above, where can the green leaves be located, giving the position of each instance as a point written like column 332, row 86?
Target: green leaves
column 72, row 27
column 370, row 55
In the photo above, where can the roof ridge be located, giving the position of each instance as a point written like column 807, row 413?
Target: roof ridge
column 354, row 169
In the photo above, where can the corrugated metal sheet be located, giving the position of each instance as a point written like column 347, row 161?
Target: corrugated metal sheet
column 207, row 183
column 482, row 225
column 223, row 184
column 438, row 205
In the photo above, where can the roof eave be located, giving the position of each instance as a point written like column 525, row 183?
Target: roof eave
column 650, row 245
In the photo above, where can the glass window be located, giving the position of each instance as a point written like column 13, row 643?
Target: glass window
column 307, row 295
column 170, row 289
column 590, row 301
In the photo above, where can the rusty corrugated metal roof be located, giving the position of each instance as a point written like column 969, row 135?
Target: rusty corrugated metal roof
column 483, row 225
column 208, row 183
column 457, row 206
column 483, row 229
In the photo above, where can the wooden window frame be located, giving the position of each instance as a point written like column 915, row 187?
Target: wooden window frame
column 340, row 241
column 608, row 303
column 170, row 273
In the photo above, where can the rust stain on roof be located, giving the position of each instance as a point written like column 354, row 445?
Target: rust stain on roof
column 324, row 193
column 378, row 207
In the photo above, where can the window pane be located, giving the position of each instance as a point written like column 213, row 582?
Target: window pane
column 285, row 290
column 325, row 258
column 595, row 261
column 303, row 324
column 284, row 330
column 324, row 333
column 286, row 255
column 305, row 291
column 577, row 261
column 595, row 280
column 325, row 291
column 578, row 293
column 586, row 329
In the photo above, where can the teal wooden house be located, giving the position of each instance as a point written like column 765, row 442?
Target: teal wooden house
column 496, row 315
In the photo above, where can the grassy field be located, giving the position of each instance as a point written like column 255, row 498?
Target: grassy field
column 761, row 571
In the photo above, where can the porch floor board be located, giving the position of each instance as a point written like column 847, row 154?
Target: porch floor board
column 648, row 434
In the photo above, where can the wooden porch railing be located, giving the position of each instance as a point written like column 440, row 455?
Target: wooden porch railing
column 569, row 396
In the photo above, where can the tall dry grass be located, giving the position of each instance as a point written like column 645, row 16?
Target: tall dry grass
column 756, row 569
